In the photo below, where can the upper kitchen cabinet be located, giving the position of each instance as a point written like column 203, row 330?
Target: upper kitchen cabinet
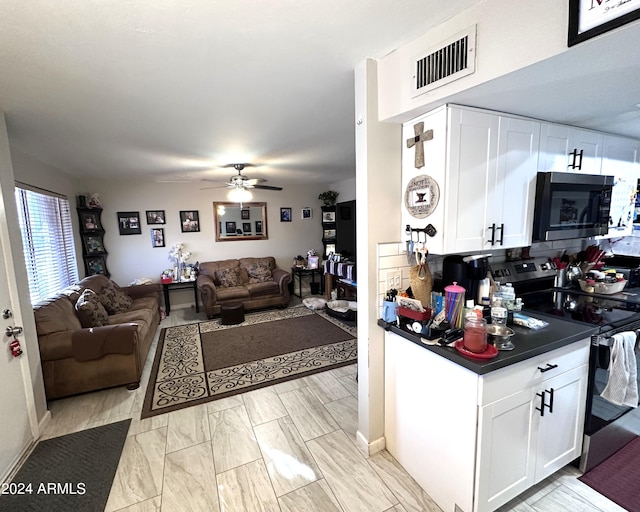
column 471, row 183
column 568, row 149
column 620, row 159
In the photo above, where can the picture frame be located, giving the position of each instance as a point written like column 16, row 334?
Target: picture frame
column 230, row 227
column 306, row 212
column 328, row 216
column 245, row 214
column 155, row 217
column 589, row 19
column 129, row 223
column 96, row 265
column 329, row 234
column 157, row 237
column 313, row 262
column 258, row 227
column 285, row 214
column 189, row 221
column 93, row 244
column 90, row 221
column 246, row 227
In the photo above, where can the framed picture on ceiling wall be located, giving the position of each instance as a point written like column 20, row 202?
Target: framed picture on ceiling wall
column 285, row 214
column 129, row 223
column 590, row 18
column 189, row 221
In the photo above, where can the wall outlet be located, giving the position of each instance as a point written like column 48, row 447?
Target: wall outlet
column 394, row 278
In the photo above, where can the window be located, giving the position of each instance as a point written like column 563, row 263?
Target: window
column 47, row 241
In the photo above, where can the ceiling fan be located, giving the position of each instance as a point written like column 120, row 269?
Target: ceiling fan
column 240, row 181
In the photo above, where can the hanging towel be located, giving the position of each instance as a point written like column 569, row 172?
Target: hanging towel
column 622, row 388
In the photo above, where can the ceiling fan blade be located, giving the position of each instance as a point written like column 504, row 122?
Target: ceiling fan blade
column 267, row 187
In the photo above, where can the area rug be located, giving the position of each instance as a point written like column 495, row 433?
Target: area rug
column 197, row 363
column 71, row 472
column 618, row 477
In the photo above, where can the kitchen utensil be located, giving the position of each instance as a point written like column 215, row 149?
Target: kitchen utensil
column 573, row 272
column 500, row 336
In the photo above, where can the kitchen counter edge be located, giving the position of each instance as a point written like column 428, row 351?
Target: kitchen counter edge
column 529, row 343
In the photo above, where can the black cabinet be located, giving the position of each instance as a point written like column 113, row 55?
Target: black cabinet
column 346, row 230
column 94, row 253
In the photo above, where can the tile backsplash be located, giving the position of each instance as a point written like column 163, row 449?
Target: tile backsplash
column 392, row 258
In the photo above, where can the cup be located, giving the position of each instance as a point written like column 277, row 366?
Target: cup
column 499, row 315
column 475, row 334
column 389, row 311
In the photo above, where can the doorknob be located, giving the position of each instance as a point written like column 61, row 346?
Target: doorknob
column 13, row 331
column 6, row 314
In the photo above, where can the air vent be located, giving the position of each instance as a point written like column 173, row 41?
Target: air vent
column 452, row 60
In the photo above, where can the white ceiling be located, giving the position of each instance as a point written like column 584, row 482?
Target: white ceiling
column 175, row 89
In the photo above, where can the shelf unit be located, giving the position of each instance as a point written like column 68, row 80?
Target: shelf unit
column 94, row 253
column 328, row 230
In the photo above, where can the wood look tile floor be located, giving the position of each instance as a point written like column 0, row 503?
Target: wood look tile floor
column 290, row 447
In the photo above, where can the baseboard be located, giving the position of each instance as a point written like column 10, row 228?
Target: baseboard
column 44, row 423
column 370, row 448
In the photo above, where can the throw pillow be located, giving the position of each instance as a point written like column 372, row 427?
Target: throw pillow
column 229, row 277
column 114, row 299
column 259, row 273
column 91, row 312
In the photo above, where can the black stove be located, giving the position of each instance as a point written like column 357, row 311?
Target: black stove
column 534, row 280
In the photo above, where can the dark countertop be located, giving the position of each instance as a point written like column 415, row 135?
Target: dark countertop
column 528, row 342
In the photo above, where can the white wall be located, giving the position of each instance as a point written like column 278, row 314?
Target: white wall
column 132, row 256
column 511, row 35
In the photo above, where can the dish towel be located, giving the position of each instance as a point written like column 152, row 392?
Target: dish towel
column 622, row 388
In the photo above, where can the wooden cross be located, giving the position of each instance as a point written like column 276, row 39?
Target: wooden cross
column 418, row 142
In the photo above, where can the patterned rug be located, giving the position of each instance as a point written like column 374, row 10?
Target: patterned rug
column 200, row 362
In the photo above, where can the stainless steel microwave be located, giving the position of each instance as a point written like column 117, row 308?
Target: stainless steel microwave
column 571, row 205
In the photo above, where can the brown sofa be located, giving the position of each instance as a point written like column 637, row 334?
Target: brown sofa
column 77, row 358
column 255, row 282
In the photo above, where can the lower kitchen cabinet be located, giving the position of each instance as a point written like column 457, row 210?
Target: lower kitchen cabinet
column 528, row 435
column 478, row 441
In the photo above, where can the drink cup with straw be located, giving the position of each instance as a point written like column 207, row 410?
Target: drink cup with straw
column 454, row 304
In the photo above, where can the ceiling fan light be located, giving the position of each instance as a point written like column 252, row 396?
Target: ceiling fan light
column 240, row 195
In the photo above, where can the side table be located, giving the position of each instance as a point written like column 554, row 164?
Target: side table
column 303, row 271
column 167, row 287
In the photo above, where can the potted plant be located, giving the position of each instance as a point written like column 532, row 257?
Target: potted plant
column 329, row 197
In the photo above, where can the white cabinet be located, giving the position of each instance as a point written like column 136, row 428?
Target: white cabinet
column 532, row 432
column 478, row 441
column 484, row 165
column 620, row 159
column 569, row 149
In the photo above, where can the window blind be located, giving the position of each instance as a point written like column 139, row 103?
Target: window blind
column 47, row 240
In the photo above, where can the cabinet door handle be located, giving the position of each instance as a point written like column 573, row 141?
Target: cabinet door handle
column 580, row 160
column 501, row 228
column 547, row 368
column 493, row 233
column 550, row 391
column 542, row 400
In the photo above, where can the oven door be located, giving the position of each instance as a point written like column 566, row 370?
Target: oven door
column 571, row 206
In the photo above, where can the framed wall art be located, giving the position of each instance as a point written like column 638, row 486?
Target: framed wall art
column 258, row 226
column 89, row 221
column 246, row 213
column 329, row 216
column 285, row 214
column 155, row 216
column 591, row 18
column 157, row 237
column 129, row 223
column 96, row 265
column 93, row 244
column 307, row 213
column 230, row 227
column 189, row 221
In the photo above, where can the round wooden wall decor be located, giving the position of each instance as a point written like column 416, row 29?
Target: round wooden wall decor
column 421, row 196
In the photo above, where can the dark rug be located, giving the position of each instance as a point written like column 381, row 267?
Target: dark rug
column 618, row 477
column 197, row 363
column 68, row 473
